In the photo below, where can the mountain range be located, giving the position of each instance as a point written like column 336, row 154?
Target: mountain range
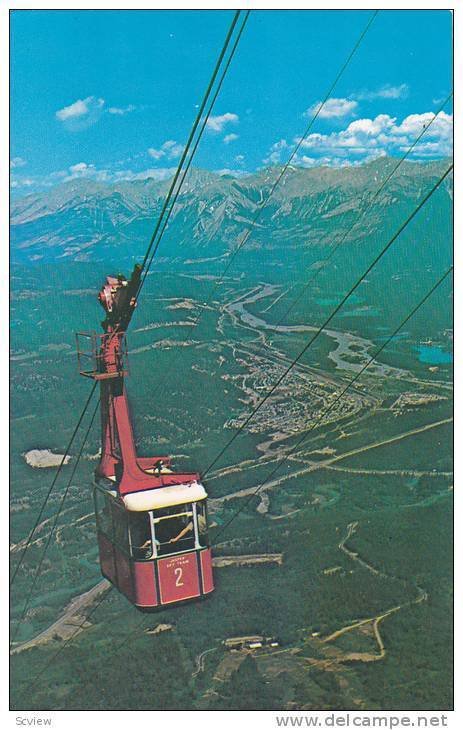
column 85, row 220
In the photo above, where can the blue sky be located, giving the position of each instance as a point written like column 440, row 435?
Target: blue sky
column 112, row 95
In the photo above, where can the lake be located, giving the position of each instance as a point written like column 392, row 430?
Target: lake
column 433, row 355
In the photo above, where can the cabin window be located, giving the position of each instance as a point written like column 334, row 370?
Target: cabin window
column 121, row 532
column 103, row 513
column 174, row 529
column 201, row 520
column 140, row 535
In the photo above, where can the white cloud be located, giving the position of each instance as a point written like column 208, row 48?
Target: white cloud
column 239, row 159
column 365, row 139
column 80, row 108
column 156, row 154
column 86, row 171
column 333, row 161
column 81, row 169
column 22, row 182
column 170, row 150
column 216, row 124
column 367, row 128
column 17, row 162
column 274, row 154
column 120, row 111
column 336, row 108
column 81, row 114
column 230, row 138
column 332, row 108
column 414, row 123
column 85, row 112
column 383, row 133
column 385, row 92
column 231, row 172
column 157, row 173
column 306, row 161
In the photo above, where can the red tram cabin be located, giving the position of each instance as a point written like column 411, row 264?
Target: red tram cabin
column 151, row 521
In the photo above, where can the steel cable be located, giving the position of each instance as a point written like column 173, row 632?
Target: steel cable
column 66, row 642
column 203, row 126
column 53, row 527
column 50, row 489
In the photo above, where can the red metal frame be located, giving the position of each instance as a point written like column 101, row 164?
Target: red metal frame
column 98, row 359
column 118, row 455
column 108, row 364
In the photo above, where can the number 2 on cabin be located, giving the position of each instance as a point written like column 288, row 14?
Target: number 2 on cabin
column 179, row 574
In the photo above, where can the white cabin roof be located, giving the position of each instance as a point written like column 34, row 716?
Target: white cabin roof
column 164, row 497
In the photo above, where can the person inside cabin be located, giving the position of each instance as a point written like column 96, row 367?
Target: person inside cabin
column 183, row 532
column 146, row 547
column 175, row 529
column 189, row 527
column 140, row 532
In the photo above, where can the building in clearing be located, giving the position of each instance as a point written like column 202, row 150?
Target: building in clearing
column 237, row 643
column 241, row 642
